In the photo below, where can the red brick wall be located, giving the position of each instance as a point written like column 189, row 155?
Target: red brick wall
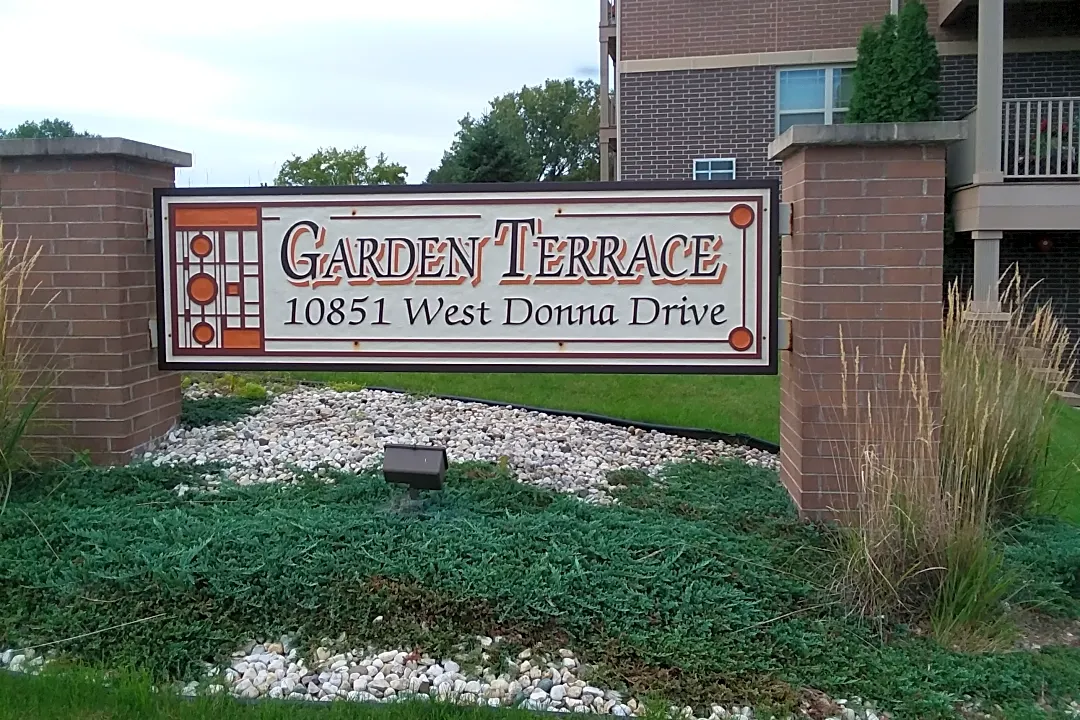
column 864, row 262
column 689, row 28
column 88, row 215
column 686, row 28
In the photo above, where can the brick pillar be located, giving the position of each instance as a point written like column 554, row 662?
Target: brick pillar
column 85, row 202
column 863, row 261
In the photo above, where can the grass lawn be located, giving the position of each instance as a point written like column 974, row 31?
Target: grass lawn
column 706, row 588
column 130, row 698
column 733, row 404
column 1060, row 492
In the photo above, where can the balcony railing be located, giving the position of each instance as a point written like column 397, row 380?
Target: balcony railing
column 607, row 111
column 1041, row 138
column 607, row 13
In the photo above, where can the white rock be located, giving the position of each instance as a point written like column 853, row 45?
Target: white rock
column 558, row 692
column 308, row 426
column 473, row 686
column 451, row 666
column 388, row 656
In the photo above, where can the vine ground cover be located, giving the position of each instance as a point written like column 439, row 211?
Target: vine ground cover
column 701, row 588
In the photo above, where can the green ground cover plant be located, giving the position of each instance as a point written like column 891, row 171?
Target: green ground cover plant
column 703, row 588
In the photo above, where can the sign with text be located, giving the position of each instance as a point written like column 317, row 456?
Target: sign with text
column 597, row 277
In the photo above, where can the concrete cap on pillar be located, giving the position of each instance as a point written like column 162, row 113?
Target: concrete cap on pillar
column 84, row 146
column 921, row 133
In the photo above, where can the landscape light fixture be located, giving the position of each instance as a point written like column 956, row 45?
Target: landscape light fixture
column 421, row 467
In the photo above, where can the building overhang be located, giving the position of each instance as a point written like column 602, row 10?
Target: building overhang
column 949, row 11
column 1015, row 206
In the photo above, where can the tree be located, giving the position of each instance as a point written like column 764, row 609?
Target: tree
column 486, row 154
column 330, row 166
column 55, row 128
column 898, row 71
column 555, row 127
column 916, row 66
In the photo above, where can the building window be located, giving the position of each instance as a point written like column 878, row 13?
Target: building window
column 714, row 169
column 812, row 96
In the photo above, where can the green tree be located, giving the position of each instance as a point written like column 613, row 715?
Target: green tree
column 55, row 128
column 555, row 127
column 330, row 166
column 486, row 154
column 866, row 97
column 898, row 71
column 916, row 67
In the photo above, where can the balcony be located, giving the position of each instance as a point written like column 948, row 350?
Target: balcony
column 1041, row 139
column 1040, row 170
column 607, row 13
column 607, row 27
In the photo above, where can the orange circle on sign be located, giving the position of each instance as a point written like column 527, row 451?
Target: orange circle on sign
column 742, row 216
column 201, row 246
column 202, row 288
column 202, row 333
column 741, row 339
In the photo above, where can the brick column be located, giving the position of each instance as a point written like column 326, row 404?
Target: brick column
column 863, row 262
column 85, row 202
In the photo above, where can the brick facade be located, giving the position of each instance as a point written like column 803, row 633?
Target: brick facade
column 1027, row 75
column 688, row 28
column 1056, row 269
column 671, row 118
column 88, row 214
column 863, row 263
column 691, row 28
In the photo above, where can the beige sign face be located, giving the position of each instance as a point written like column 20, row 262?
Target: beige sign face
column 605, row 277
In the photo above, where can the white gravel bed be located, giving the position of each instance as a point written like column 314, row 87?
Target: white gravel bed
column 535, row 679
column 310, row 428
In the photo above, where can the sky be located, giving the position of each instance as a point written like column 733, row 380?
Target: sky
column 243, row 85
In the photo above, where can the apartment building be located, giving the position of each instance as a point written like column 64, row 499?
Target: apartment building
column 698, row 89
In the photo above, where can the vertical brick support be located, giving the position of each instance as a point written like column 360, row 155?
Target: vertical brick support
column 85, row 204
column 863, row 262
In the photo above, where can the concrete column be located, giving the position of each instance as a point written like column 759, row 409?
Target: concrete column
column 986, row 296
column 862, row 275
column 85, row 203
column 990, row 78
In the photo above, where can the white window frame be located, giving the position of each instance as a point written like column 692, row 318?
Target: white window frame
column 828, row 110
column 710, row 160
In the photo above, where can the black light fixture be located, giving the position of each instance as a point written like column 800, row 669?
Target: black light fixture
column 420, row 467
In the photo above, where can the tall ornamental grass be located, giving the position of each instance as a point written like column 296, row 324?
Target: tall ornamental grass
column 932, row 486
column 24, row 378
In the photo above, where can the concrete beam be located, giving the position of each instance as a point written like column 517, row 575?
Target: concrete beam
column 799, row 136
column 82, row 147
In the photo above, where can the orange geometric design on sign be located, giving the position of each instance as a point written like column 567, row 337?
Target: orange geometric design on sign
column 202, row 288
column 232, row 288
column 742, row 216
column 203, row 333
column 741, row 339
column 201, row 246
column 226, row 217
column 241, row 339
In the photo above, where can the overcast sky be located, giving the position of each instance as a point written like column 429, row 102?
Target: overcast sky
column 243, row 85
